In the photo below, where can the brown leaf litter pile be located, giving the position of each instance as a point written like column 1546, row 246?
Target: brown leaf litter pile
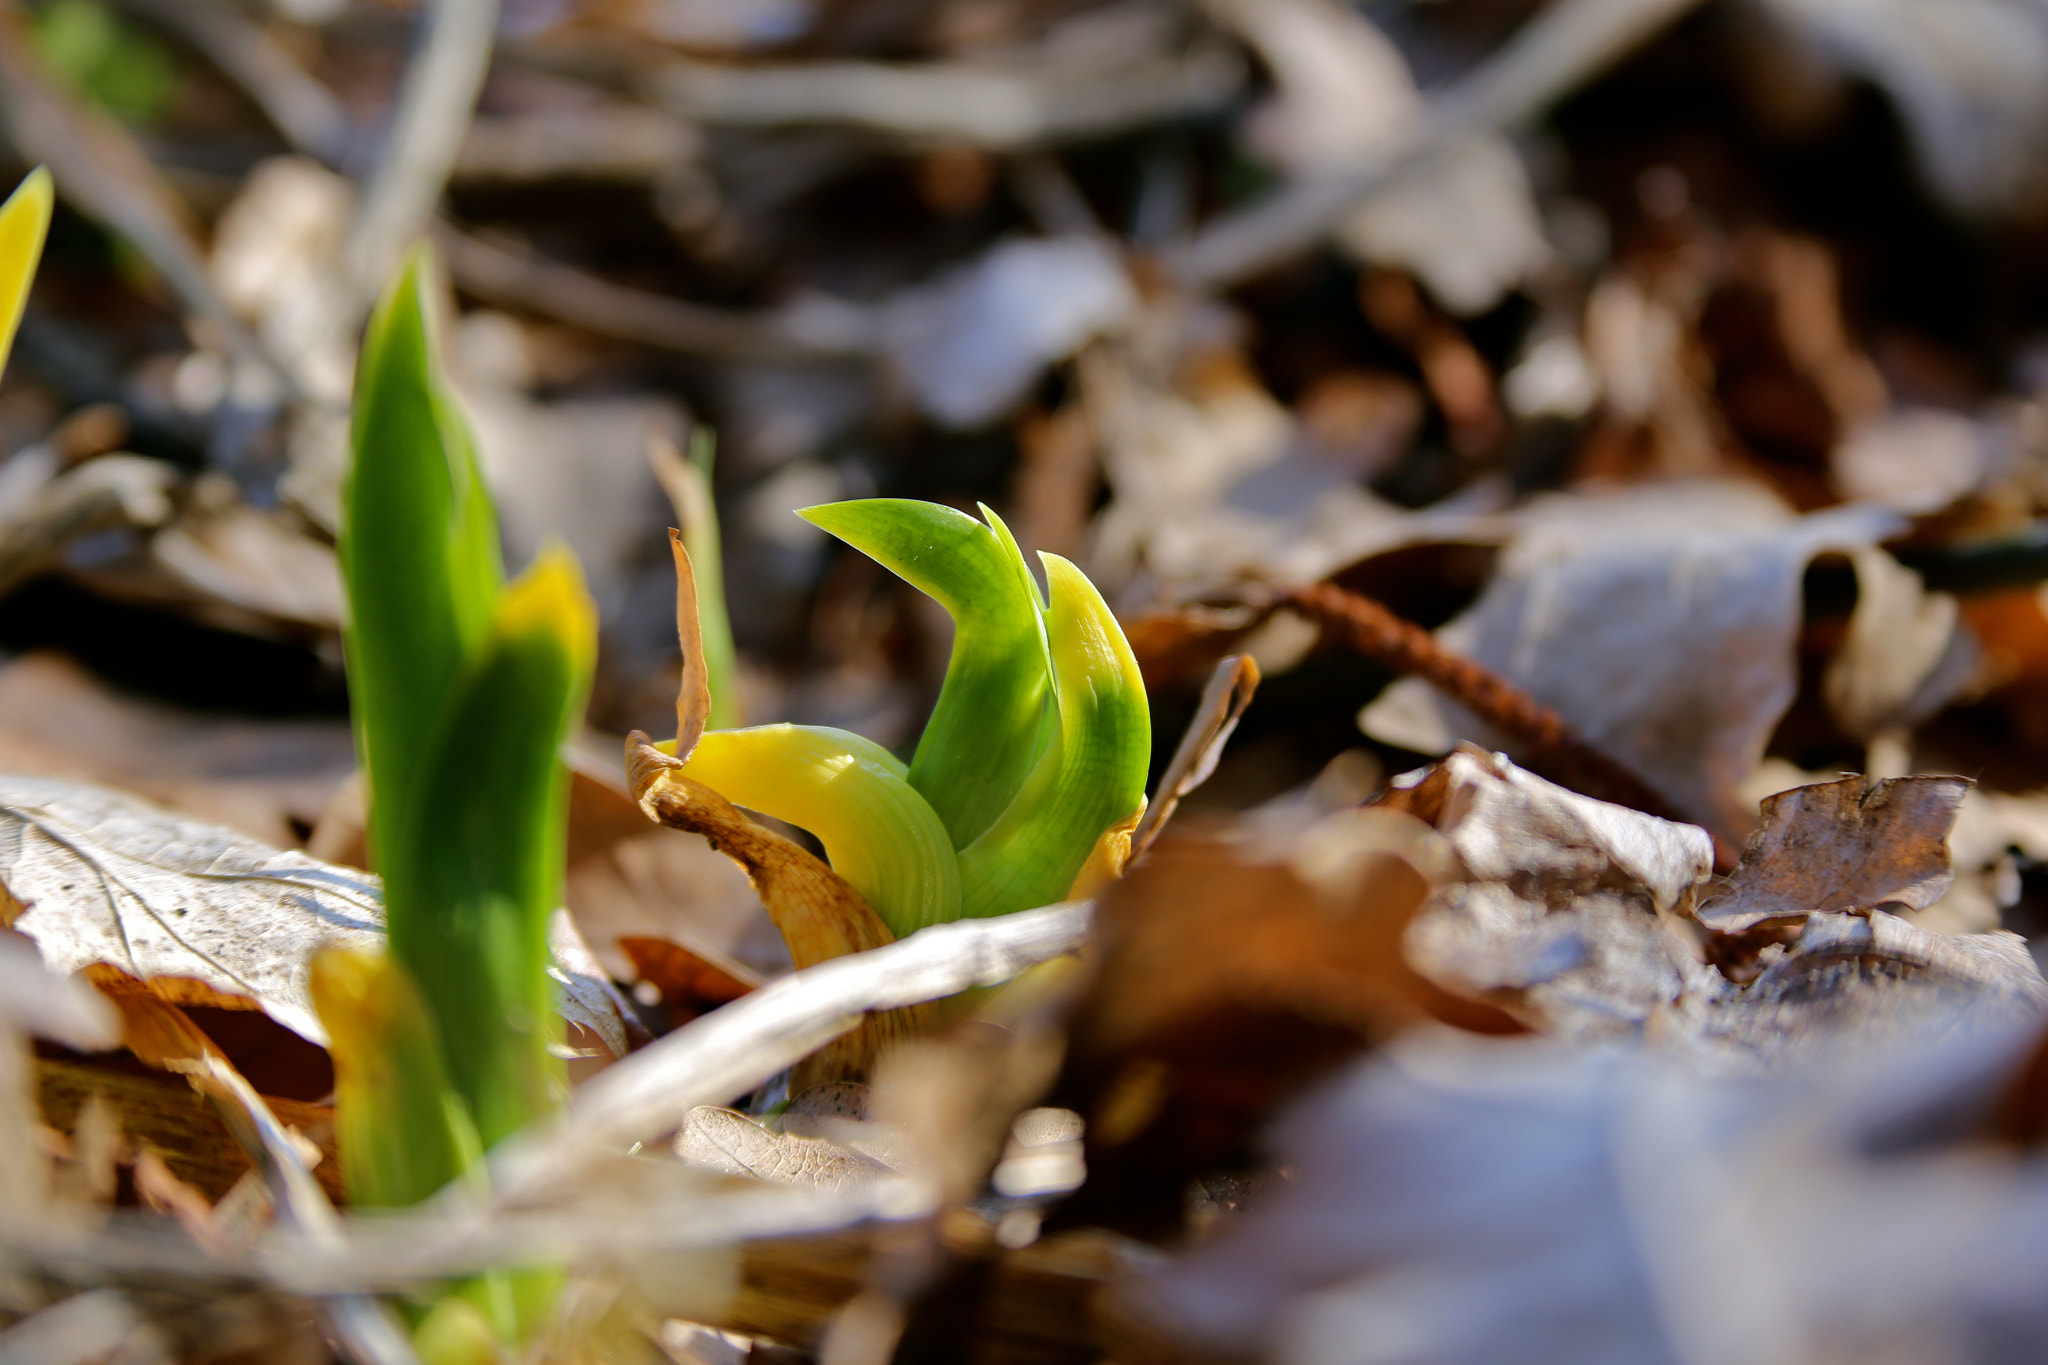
column 1574, row 473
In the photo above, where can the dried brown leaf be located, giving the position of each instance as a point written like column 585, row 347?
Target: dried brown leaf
column 1563, row 910
column 693, row 696
column 1232, row 973
column 1851, row 844
column 820, row 916
column 1224, row 698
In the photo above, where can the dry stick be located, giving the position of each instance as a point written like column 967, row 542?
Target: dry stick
column 816, row 329
column 440, row 90
column 1554, row 748
column 998, row 108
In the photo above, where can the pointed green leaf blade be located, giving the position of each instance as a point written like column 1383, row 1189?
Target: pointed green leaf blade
column 1091, row 776
column 470, row 885
column 418, row 548
column 984, row 732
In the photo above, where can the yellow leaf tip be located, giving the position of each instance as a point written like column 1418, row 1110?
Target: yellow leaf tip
column 550, row 597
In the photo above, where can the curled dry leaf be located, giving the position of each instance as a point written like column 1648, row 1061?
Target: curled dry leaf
column 199, row 915
column 1564, row 909
column 1233, row 972
column 820, row 916
column 1224, row 699
column 1851, row 844
column 1574, row 916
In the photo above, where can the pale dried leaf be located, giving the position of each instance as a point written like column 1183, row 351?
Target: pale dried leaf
column 1563, row 910
column 970, row 344
column 721, row 1140
column 1843, row 845
column 96, row 877
column 1661, row 623
column 1906, row 655
column 1485, row 1203
column 198, row 913
column 237, row 559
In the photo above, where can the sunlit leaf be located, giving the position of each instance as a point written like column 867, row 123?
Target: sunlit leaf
column 24, row 222
column 1090, row 778
column 986, row 729
column 419, row 550
column 881, row 836
column 471, row 885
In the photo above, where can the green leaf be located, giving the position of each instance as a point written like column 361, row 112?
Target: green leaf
column 470, row 885
column 880, row 835
column 987, row 727
column 1091, row 776
column 418, row 548
column 24, row 222
column 402, row 1132
column 701, row 539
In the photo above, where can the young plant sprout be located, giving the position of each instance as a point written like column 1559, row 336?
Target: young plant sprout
column 463, row 688
column 1033, row 762
column 24, row 222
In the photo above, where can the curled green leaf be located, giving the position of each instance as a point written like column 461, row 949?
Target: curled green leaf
column 986, row 729
column 881, row 836
column 1091, row 776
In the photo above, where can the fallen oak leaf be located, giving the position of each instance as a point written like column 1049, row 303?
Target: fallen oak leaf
column 199, row 914
column 1850, row 844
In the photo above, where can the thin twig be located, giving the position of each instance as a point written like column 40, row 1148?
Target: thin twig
column 1553, row 748
column 1551, row 56
column 1000, row 108
column 440, row 91
column 816, row 329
